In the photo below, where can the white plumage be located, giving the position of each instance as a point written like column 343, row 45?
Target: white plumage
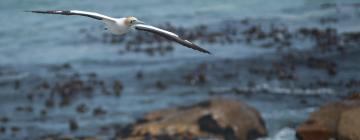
column 120, row 26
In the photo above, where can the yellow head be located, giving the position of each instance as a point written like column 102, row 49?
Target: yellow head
column 130, row 21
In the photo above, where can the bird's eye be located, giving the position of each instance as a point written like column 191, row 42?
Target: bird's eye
column 132, row 21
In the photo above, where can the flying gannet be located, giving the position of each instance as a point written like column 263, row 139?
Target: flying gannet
column 120, row 26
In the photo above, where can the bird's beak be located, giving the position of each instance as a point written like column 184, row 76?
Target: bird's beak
column 139, row 22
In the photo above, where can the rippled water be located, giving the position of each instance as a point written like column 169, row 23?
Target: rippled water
column 32, row 44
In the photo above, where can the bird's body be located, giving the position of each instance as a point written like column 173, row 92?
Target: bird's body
column 118, row 27
column 121, row 26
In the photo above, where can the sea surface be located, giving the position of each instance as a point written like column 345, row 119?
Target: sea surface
column 39, row 53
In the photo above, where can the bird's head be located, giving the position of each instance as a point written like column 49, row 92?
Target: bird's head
column 130, row 21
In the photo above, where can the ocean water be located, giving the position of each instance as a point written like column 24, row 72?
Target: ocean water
column 33, row 45
column 25, row 36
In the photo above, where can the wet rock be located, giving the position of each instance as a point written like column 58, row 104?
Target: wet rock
column 352, row 83
column 4, row 120
column 104, row 89
column 99, row 111
column 15, row 129
column 64, row 101
column 327, row 5
column 92, row 75
column 326, row 20
column 73, row 125
column 322, row 64
column 49, row 103
column 323, row 124
column 30, row 97
column 57, row 137
column 279, row 70
column 27, row 109
column 2, row 129
column 43, row 113
column 352, row 37
column 219, row 119
column 196, row 78
column 45, row 85
column 65, row 66
column 17, row 84
column 139, row 75
column 354, row 96
column 229, row 76
column 160, row 85
column 71, row 87
column 82, row 108
column 118, row 87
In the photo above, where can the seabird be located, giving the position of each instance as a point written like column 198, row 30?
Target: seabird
column 120, row 26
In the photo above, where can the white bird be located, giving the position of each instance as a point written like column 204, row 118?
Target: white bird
column 120, row 26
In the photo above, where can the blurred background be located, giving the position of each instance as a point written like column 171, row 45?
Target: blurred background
column 283, row 57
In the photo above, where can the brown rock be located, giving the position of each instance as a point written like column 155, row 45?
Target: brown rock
column 355, row 96
column 323, row 124
column 224, row 119
column 349, row 125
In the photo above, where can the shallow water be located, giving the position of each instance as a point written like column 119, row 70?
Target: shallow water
column 36, row 48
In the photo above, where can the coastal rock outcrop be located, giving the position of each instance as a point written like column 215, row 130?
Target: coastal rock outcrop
column 220, row 119
column 337, row 120
column 349, row 125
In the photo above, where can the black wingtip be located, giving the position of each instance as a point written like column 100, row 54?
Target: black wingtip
column 203, row 50
column 196, row 47
column 207, row 52
column 28, row 11
column 35, row 11
column 47, row 12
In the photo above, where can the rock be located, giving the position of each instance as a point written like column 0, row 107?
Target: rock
column 49, row 103
column 15, row 129
column 323, row 123
column 160, row 85
column 82, row 108
column 4, row 120
column 118, row 87
column 2, row 130
column 55, row 137
column 43, row 113
column 99, row 111
column 355, row 96
column 220, row 119
column 139, row 75
column 349, row 125
column 73, row 125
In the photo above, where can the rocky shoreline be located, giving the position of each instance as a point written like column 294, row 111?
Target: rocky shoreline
column 225, row 119
column 337, row 120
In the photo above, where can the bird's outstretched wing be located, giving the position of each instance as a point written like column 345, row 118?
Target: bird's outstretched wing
column 170, row 36
column 76, row 12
